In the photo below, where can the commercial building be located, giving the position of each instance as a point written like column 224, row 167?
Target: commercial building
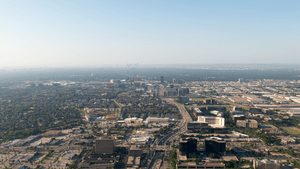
column 139, row 140
column 183, row 99
column 267, row 164
column 237, row 108
column 255, row 110
column 215, row 145
column 157, row 120
column 287, row 140
column 23, row 157
column 196, row 127
column 105, row 145
column 187, row 146
column 133, row 120
column 115, row 80
column 219, row 108
column 100, row 163
column 294, row 112
column 236, row 113
column 209, row 101
column 67, row 156
column 134, row 162
column 177, row 92
column 23, row 142
column 135, row 151
column 196, row 111
column 183, row 91
column 111, row 117
column 273, row 131
column 255, row 100
column 215, row 122
column 200, row 165
column 239, row 100
column 171, row 92
column 238, row 117
column 217, row 113
column 247, row 123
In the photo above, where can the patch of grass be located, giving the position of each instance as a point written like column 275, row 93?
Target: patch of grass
column 291, row 131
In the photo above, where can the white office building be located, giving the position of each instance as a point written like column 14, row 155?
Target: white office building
column 214, row 122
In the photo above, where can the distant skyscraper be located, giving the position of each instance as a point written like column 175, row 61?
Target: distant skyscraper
column 162, row 79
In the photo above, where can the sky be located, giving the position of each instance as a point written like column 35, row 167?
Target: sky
column 73, row 33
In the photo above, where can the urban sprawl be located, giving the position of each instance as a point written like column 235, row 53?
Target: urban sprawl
column 141, row 123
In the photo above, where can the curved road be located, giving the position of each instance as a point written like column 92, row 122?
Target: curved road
column 181, row 128
column 173, row 134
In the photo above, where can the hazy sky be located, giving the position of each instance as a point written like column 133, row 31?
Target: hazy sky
column 61, row 33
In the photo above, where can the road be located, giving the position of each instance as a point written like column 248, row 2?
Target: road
column 120, row 106
column 181, row 128
column 173, row 134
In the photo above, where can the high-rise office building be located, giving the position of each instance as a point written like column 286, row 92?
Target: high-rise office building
column 187, row 146
column 215, row 145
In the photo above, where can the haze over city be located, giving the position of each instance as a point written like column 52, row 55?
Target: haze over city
column 97, row 33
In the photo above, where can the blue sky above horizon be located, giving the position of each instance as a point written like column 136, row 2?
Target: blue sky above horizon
column 91, row 33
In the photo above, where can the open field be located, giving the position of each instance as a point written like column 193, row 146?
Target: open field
column 291, row 131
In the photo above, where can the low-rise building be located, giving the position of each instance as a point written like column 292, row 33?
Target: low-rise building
column 247, row 123
column 217, row 113
column 23, row 157
column 267, row 164
column 255, row 110
column 209, row 101
column 157, row 120
column 197, row 112
column 294, row 112
column 196, row 126
column 200, row 165
column 238, row 117
column 215, row 122
column 133, row 162
column 135, row 151
column 102, row 163
column 237, row 113
column 111, row 117
column 183, row 99
column 287, row 140
column 67, row 156
column 133, row 120
column 237, row 108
